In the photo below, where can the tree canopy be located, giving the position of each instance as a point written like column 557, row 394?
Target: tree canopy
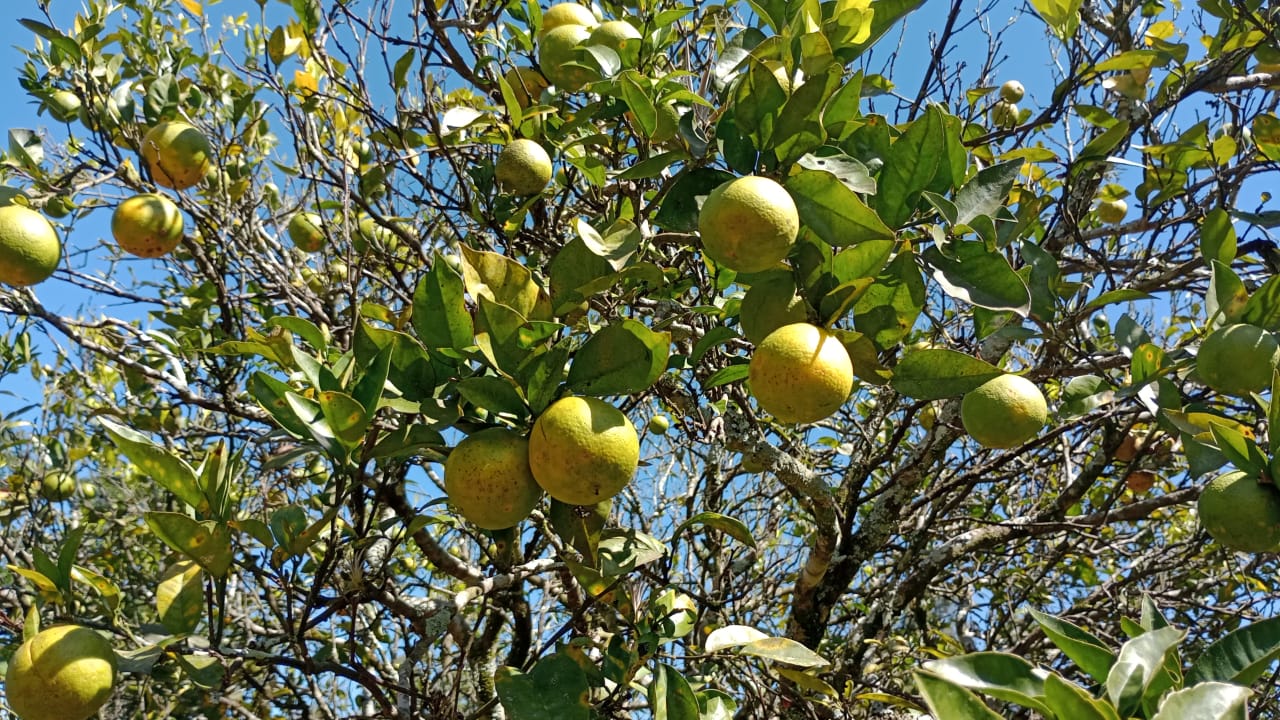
column 359, row 233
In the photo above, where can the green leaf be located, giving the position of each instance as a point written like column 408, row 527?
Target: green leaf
column 203, row 670
column 1112, row 297
column 1097, row 149
column 853, row 173
column 26, row 147
column 409, row 366
column 757, row 102
column 440, row 316
column 886, row 15
column 939, row 373
column 556, row 689
column 948, row 701
column 727, row 374
column 346, row 418
column 504, row 281
column 1227, row 294
column 1239, row 450
column 976, row 275
column 1240, row 657
column 1084, row 648
column 1139, row 662
column 716, row 705
column 301, row 327
column 889, row 308
column 1263, row 308
column 580, row 525
column 1206, row 701
column 670, row 695
column 106, row 589
column 272, row 395
column 784, row 650
column 732, row 527
column 834, row 212
column 620, row 359
column 912, row 163
column 984, row 195
column 1069, row 701
column 180, row 597
column 1000, row 675
column 208, row 543
column 1217, row 237
column 679, row 210
column 494, row 394
column 173, row 473
column 731, row 636
column 622, row 550
column 799, row 127
column 617, row 247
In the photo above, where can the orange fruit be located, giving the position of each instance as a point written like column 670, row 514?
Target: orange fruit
column 148, row 225
column 523, row 167
column 177, row 154
column 1238, row 359
column 563, row 14
column 487, row 478
column 29, row 246
column 583, row 450
column 748, row 224
column 1004, row 412
column 305, row 231
column 66, row 672
column 800, row 373
column 557, row 49
column 1241, row 513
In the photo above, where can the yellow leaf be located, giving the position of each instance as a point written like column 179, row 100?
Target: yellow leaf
column 306, row 82
column 193, row 7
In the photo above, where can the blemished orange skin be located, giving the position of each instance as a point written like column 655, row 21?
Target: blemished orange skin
column 801, row 373
column 487, row 478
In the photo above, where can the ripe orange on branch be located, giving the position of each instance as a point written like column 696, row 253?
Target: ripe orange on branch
column 147, row 225
column 801, row 373
column 29, row 246
column 177, row 154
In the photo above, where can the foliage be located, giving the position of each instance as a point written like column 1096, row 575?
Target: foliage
column 265, row 425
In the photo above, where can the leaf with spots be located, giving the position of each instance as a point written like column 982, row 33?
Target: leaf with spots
column 208, row 543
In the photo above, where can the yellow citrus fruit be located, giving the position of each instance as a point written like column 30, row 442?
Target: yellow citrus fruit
column 523, row 167
column 63, row 105
column 1238, row 359
column 29, row 246
column 800, row 373
column 1012, row 91
column 148, row 225
column 659, row 424
column 487, row 478
column 583, row 450
column 1112, row 211
column 59, row 206
column 557, row 49
column 305, row 231
column 748, row 224
column 65, row 672
column 177, row 154
column 526, row 84
column 563, row 14
column 1004, row 412
column 57, row 487
column 1240, row 513
column 619, row 36
column 1004, row 114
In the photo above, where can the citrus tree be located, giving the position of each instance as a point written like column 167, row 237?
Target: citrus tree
column 649, row 359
